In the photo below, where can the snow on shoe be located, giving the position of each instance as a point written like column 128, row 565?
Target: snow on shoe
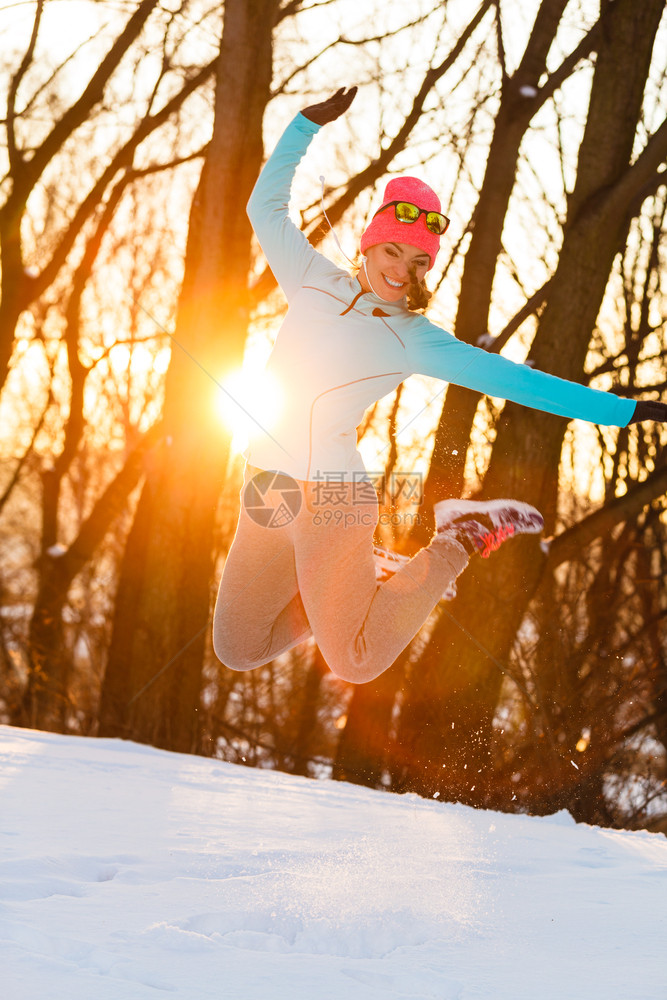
column 388, row 562
column 482, row 526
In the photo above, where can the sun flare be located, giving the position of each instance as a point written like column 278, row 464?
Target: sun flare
column 249, row 401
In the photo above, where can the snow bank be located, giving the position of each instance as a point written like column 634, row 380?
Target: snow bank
column 127, row 873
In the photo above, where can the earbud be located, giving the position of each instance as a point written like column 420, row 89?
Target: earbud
column 364, row 258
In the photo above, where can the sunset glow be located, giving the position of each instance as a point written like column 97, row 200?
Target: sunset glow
column 249, row 400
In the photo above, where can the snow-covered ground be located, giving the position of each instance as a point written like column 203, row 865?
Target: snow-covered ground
column 127, row 873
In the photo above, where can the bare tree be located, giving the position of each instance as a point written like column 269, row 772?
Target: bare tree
column 63, row 250
column 163, row 597
column 28, row 164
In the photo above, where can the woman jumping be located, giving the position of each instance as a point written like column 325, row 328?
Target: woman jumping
column 301, row 563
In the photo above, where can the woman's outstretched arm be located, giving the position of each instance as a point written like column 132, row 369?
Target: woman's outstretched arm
column 290, row 255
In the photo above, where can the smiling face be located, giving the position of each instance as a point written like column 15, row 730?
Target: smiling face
column 389, row 269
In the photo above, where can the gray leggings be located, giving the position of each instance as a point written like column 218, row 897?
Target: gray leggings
column 313, row 574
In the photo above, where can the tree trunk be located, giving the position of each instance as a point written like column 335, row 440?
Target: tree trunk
column 152, row 683
column 364, row 748
column 515, row 112
column 306, row 717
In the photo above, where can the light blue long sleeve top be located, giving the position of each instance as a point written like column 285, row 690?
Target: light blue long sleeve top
column 340, row 349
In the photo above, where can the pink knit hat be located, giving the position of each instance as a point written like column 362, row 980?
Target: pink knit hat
column 385, row 227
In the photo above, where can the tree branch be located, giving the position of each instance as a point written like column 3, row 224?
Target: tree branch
column 107, row 508
column 644, row 176
column 15, row 158
column 79, row 111
column 569, row 544
column 16, row 475
column 342, row 40
column 123, row 158
column 580, row 51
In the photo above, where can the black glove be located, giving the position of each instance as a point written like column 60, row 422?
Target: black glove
column 327, row 111
column 649, row 409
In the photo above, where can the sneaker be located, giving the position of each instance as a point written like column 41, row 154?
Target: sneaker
column 388, row 562
column 482, row 526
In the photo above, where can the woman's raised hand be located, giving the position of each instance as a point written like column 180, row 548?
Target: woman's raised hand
column 327, row 111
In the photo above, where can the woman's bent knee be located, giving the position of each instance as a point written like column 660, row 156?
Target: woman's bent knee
column 230, row 653
column 353, row 670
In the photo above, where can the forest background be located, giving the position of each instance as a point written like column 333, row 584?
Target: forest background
column 136, row 312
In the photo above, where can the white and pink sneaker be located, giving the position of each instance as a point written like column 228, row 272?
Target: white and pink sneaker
column 482, row 526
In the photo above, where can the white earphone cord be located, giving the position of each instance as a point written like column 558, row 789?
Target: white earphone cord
column 335, row 236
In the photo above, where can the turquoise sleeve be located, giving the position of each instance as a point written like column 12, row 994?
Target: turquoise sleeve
column 439, row 354
column 291, row 257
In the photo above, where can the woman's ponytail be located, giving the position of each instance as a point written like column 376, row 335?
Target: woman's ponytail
column 418, row 295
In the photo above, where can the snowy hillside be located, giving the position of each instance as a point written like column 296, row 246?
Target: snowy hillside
column 127, row 873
